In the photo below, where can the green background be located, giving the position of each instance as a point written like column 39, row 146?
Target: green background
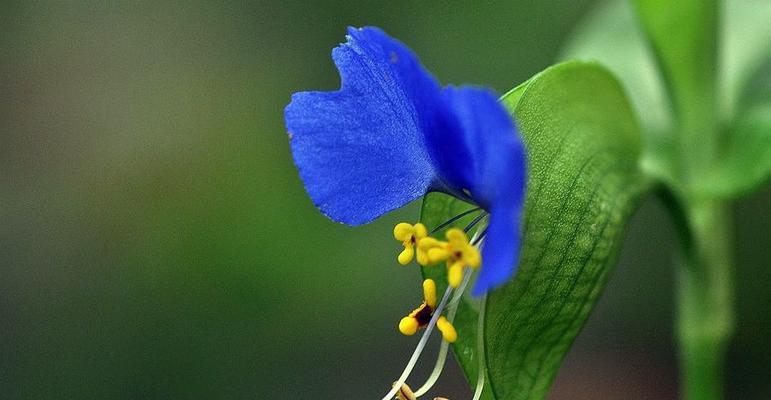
column 156, row 241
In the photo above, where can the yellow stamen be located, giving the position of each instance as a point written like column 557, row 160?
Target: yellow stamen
column 420, row 316
column 438, row 254
column 429, row 243
column 420, row 231
column 408, row 326
column 429, row 292
column 448, row 331
column 425, row 245
column 458, row 252
column 455, row 274
column 472, row 257
column 410, row 236
column 457, row 237
column 422, row 257
column 403, row 231
column 405, row 257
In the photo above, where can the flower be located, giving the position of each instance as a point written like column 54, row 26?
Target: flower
column 391, row 134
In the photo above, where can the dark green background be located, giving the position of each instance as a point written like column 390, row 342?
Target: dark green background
column 156, row 242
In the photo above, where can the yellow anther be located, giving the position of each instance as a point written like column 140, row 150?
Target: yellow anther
column 403, row 231
column 455, row 274
column 457, row 237
column 472, row 257
column 408, row 326
column 448, row 331
column 424, row 247
column 429, row 243
column 429, row 292
column 410, row 236
column 457, row 251
column 405, row 257
column 421, row 316
column 420, row 231
column 438, row 254
column 422, row 257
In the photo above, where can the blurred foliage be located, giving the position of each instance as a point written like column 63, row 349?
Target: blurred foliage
column 156, row 241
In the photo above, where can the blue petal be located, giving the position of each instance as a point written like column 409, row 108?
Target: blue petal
column 361, row 150
column 500, row 251
column 498, row 169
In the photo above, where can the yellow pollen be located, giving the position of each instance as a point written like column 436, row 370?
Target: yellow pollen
column 458, row 252
column 448, row 331
column 429, row 243
column 457, row 237
column 472, row 258
column 455, row 274
column 438, row 254
column 405, row 257
column 403, row 231
column 422, row 258
column 421, row 316
column 408, row 326
column 410, row 235
column 429, row 292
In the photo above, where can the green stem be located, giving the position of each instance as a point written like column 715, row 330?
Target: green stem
column 705, row 303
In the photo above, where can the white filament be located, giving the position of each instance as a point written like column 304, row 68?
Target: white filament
column 452, row 309
column 481, row 371
column 419, row 349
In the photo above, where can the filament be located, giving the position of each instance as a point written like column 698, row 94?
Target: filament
column 452, row 309
column 481, row 370
column 477, row 239
column 475, row 221
column 455, row 218
column 421, row 345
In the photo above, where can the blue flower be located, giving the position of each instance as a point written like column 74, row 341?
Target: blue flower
column 391, row 134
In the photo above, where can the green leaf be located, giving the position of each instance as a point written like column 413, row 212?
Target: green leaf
column 611, row 36
column 683, row 35
column 584, row 183
column 746, row 159
column 745, row 46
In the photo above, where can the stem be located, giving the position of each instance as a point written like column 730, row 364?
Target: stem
column 705, row 300
column 705, row 282
column 482, row 369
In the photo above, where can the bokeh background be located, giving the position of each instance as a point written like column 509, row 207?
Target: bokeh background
column 156, row 241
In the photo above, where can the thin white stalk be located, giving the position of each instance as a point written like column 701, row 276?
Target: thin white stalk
column 481, row 370
column 419, row 349
column 452, row 309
